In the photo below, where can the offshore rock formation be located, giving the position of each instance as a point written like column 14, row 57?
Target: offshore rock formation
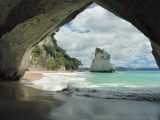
column 144, row 15
column 24, row 23
column 101, row 62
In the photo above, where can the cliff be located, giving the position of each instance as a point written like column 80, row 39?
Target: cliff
column 47, row 55
column 40, row 59
column 24, row 23
column 102, row 62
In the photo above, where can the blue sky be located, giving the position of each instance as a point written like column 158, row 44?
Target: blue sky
column 92, row 6
column 142, row 62
column 96, row 27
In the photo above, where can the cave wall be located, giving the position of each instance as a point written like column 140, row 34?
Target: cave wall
column 24, row 23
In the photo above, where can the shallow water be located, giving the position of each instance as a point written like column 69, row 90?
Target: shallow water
column 142, row 86
column 19, row 102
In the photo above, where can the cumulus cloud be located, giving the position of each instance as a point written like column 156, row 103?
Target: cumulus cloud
column 143, row 61
column 96, row 27
column 153, row 65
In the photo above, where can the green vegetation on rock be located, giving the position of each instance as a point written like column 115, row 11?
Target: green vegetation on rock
column 50, row 49
column 50, row 65
column 58, row 57
column 37, row 50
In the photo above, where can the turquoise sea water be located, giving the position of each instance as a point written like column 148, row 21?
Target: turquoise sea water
column 123, row 79
column 139, row 85
column 142, row 86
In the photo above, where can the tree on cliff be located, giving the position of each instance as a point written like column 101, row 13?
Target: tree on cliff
column 53, row 39
column 37, row 50
column 64, row 59
column 50, row 49
column 60, row 56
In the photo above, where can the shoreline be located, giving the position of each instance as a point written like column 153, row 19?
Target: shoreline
column 36, row 75
column 32, row 76
column 21, row 101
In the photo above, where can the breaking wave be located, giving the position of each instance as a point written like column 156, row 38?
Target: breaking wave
column 56, row 81
column 75, row 84
column 128, row 93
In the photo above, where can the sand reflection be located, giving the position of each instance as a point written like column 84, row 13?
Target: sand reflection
column 19, row 102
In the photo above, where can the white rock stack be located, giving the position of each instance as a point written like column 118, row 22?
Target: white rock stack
column 102, row 62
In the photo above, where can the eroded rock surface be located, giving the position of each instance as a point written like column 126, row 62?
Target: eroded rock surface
column 102, row 62
column 24, row 23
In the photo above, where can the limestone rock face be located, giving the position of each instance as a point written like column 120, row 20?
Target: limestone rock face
column 101, row 62
column 24, row 23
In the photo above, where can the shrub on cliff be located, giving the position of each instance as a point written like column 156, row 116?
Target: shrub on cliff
column 37, row 50
column 60, row 56
column 53, row 39
column 60, row 50
column 50, row 65
column 60, row 61
column 50, row 49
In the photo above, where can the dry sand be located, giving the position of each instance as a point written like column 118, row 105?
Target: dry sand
column 36, row 75
column 31, row 76
column 21, row 102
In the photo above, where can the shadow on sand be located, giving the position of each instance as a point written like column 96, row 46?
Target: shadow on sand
column 19, row 102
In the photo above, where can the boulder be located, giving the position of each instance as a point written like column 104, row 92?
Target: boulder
column 102, row 62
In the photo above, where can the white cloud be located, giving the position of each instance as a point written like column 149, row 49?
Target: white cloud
column 137, row 65
column 153, row 65
column 143, row 61
column 118, row 37
column 150, row 57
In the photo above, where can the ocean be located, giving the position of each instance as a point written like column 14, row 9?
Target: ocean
column 127, row 85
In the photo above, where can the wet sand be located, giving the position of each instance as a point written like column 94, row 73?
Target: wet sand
column 36, row 75
column 21, row 102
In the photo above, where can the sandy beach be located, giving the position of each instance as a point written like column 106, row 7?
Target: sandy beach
column 36, row 75
column 20, row 101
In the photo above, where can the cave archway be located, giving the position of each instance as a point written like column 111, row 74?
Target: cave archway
column 24, row 23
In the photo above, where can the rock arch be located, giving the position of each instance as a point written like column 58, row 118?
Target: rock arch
column 24, row 23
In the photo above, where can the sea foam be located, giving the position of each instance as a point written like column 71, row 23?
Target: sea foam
column 75, row 84
column 128, row 93
column 57, row 81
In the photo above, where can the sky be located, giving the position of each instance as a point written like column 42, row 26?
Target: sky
column 97, row 27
